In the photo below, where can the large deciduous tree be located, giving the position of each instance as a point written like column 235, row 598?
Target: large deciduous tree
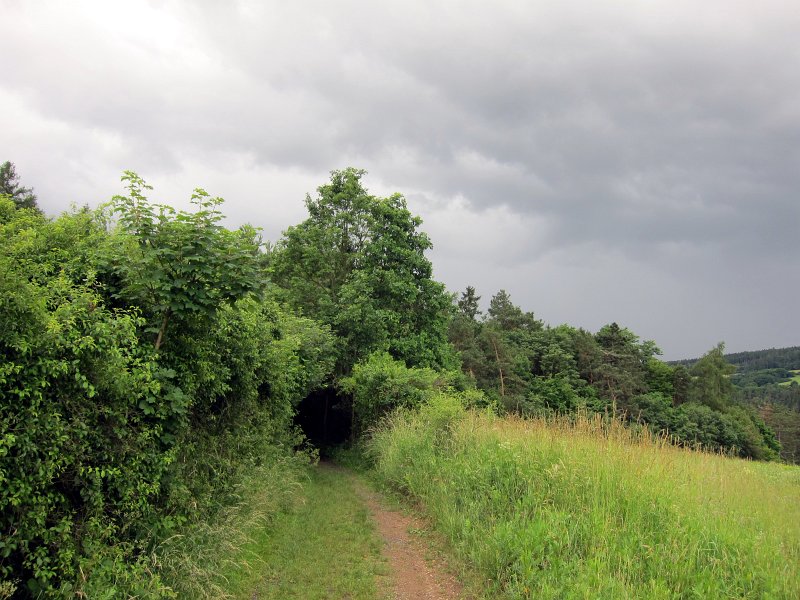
column 358, row 264
column 711, row 384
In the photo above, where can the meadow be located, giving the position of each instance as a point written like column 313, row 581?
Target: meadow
column 795, row 379
column 583, row 507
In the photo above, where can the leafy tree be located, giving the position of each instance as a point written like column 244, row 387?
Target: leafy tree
column 588, row 355
column 85, row 412
column 496, row 348
column 111, row 443
column 655, row 410
column 508, row 316
column 785, row 422
column 551, row 394
column 622, row 373
column 381, row 383
column 176, row 265
column 681, row 381
column 711, row 384
column 660, row 377
column 23, row 197
column 358, row 264
column 463, row 333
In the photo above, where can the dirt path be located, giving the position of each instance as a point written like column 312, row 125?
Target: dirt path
column 412, row 576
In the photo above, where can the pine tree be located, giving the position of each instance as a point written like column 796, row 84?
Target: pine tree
column 23, row 197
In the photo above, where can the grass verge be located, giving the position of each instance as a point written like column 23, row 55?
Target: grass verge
column 201, row 561
column 325, row 547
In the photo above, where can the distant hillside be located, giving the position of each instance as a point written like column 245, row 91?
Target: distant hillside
column 756, row 360
column 768, row 380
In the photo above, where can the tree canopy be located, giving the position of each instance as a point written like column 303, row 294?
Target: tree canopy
column 358, row 264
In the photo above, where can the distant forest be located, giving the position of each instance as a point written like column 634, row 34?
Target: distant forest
column 756, row 360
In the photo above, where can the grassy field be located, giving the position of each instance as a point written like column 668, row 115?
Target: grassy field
column 795, row 379
column 586, row 509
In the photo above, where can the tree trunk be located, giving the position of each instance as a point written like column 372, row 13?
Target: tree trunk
column 325, row 420
column 353, row 421
column 500, row 369
column 164, row 321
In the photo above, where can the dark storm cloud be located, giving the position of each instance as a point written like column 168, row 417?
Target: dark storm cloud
column 653, row 145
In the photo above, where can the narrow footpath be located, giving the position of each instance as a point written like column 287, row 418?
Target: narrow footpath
column 343, row 542
column 413, row 575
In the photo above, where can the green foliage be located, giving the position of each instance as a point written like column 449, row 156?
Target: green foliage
column 468, row 303
column 622, row 372
column 108, row 446
column 85, row 412
column 711, row 384
column 84, row 419
column 773, row 358
column 358, row 265
column 762, row 377
column 146, row 372
column 785, row 422
column 381, row 384
column 660, row 377
column 739, row 430
column 176, row 265
column 681, row 381
column 508, row 316
column 531, row 369
column 767, row 381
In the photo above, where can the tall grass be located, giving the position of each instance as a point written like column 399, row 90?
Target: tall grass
column 586, row 508
column 198, row 564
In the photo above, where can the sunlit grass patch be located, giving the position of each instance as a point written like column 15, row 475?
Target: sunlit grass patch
column 795, row 379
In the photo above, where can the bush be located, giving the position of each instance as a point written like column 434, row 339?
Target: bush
column 111, row 444
column 381, row 384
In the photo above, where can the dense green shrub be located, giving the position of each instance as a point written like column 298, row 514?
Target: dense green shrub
column 144, row 375
column 381, row 384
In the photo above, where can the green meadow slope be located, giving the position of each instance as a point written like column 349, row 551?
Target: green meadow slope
column 584, row 508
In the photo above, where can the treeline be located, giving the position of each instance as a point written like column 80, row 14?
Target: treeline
column 529, row 368
column 152, row 358
column 768, row 381
column 755, row 360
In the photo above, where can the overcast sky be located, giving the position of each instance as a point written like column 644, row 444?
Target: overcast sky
column 628, row 161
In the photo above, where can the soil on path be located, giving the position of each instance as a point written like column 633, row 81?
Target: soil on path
column 412, row 576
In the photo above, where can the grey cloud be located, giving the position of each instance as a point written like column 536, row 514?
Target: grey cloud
column 666, row 133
